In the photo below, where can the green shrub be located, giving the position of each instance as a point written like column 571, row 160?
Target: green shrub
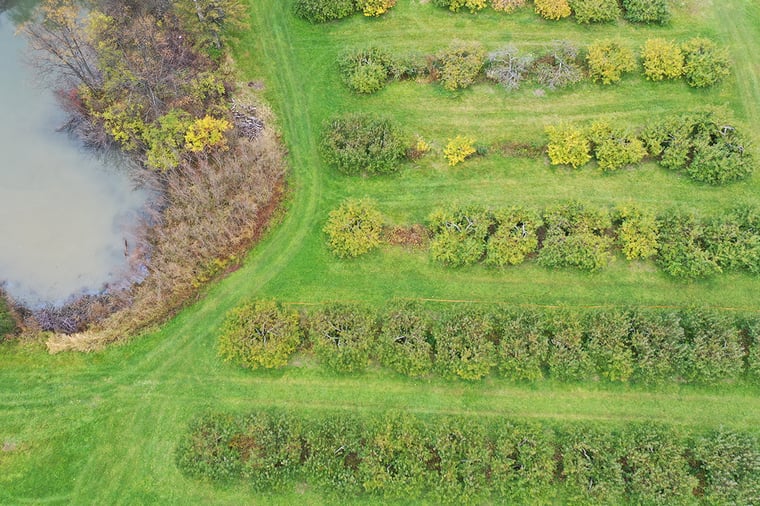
column 558, row 67
column 659, row 346
column 523, row 461
column 360, row 143
column 405, row 340
column 614, row 147
column 608, row 60
column 507, row 68
column 464, row 343
column 733, row 239
column 515, row 237
column 607, row 342
column 705, row 64
column 707, row 151
column 354, row 228
column 390, row 465
column 638, row 232
column 728, row 464
column 270, row 449
column 365, row 70
column 656, row 470
column 552, row 9
column 568, row 359
column 568, row 145
column 750, row 327
column 662, row 59
column 595, row 11
column 460, row 64
column 342, row 336
column 523, row 346
column 459, row 235
column 715, row 353
column 591, row 465
column 259, row 334
column 206, row 451
column 647, row 11
column 336, row 443
column 320, row 11
column 683, row 251
column 461, row 450
column 720, row 155
column 575, row 237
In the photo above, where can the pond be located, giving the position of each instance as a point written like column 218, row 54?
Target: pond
column 66, row 215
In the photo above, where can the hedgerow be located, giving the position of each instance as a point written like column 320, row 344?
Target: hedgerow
column 693, row 345
column 573, row 235
column 700, row 61
column 457, row 460
column 698, row 144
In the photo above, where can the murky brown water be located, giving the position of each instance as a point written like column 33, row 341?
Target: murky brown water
column 64, row 214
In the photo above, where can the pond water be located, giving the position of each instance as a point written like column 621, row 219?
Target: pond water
column 64, row 214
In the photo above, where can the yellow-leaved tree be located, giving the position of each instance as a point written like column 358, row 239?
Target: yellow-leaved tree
column 206, row 132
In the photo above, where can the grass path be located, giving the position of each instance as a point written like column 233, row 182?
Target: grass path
column 101, row 428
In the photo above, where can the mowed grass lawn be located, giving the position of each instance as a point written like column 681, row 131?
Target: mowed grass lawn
column 102, row 428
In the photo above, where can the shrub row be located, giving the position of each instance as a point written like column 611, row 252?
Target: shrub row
column 697, row 144
column 606, row 11
column 573, row 235
column 465, row 460
column 470, row 342
column 699, row 61
column 321, row 11
column 568, row 235
column 585, row 11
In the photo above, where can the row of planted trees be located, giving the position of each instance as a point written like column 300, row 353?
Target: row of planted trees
column 701, row 145
column 700, row 61
column 464, row 460
column 470, row 342
column 568, row 235
column 585, row 11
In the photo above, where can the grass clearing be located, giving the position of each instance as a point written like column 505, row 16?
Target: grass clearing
column 101, row 428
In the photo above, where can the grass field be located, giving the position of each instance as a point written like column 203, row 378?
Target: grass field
column 101, row 428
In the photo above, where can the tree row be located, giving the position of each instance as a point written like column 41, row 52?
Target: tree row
column 584, row 11
column 568, row 235
column 699, row 145
column 464, row 460
column 700, row 61
column 471, row 342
